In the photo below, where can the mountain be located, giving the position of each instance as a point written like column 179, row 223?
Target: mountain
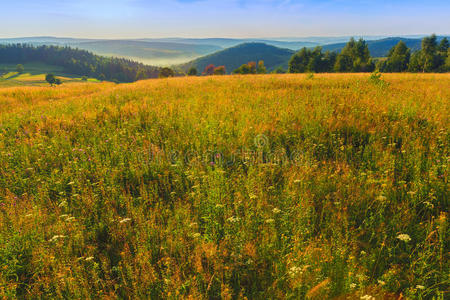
column 232, row 58
column 227, row 43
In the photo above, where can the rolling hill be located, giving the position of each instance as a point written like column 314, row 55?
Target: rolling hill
column 232, row 58
column 154, row 52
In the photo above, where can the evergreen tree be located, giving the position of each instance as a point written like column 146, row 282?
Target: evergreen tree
column 193, row 71
column 299, row 61
column 398, row 59
column 354, row 57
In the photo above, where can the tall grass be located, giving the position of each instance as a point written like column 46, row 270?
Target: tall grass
column 265, row 187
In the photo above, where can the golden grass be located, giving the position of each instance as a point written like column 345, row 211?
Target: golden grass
column 264, row 186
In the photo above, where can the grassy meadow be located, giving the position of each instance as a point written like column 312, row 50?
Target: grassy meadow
column 34, row 75
column 332, row 186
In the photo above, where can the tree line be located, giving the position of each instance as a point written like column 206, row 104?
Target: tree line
column 355, row 57
column 79, row 62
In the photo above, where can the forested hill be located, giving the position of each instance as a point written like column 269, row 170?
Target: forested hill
column 232, row 58
column 78, row 62
column 380, row 48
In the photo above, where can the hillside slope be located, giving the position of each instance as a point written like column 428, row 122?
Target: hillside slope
column 257, row 187
column 232, row 58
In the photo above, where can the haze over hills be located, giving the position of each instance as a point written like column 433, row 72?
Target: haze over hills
column 173, row 51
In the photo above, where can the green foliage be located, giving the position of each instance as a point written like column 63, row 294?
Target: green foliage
column 431, row 58
column 20, row 69
column 166, row 72
column 192, row 71
column 279, row 70
column 220, row 70
column 398, row 59
column 261, row 68
column 354, row 57
column 313, row 61
column 248, row 68
column 50, row 78
column 84, row 78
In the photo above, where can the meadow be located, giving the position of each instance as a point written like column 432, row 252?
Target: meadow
column 34, row 75
column 330, row 186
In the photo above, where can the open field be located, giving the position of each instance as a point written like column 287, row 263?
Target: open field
column 34, row 75
column 265, row 187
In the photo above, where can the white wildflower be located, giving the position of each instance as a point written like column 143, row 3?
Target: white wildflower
column 126, row 220
column 276, row 210
column 56, row 237
column 404, row 237
column 294, row 271
column 233, row 219
column 381, row 198
column 420, row 287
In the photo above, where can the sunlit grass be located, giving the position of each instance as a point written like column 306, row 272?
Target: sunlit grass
column 173, row 188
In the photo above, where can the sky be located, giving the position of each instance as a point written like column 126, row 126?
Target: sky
column 221, row 18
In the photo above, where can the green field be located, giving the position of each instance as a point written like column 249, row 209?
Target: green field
column 325, row 186
column 34, row 75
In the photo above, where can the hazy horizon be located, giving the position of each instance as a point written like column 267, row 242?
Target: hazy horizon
column 131, row 19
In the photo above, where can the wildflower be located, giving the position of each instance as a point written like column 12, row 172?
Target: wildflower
column 294, row 271
column 420, row 287
column 276, row 210
column 56, row 237
column 126, row 220
column 352, row 285
column 233, row 219
column 297, row 181
column 404, row 237
column 367, row 297
column 269, row 221
column 381, row 282
column 381, row 198
column 89, row 258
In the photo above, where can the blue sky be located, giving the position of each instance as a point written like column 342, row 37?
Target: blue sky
column 221, row 18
